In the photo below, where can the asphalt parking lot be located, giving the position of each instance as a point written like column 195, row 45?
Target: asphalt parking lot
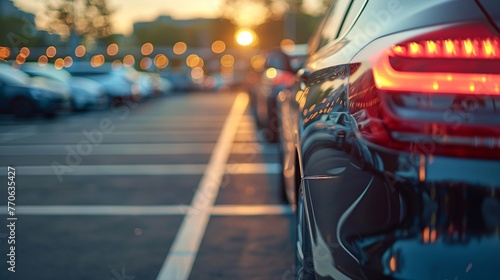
column 177, row 187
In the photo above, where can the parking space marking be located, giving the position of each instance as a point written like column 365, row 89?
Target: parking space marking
column 177, row 264
column 147, row 210
column 251, row 210
column 136, row 149
column 111, row 149
column 18, row 133
column 147, row 169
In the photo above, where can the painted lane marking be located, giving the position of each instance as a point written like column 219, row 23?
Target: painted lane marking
column 147, row 210
column 18, row 134
column 137, row 149
column 147, row 169
column 178, row 264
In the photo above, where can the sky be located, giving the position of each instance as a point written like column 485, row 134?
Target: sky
column 129, row 11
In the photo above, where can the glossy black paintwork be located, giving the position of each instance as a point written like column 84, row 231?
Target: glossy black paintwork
column 425, row 210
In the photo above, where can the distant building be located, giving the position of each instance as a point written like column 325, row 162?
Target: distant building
column 171, row 21
column 197, row 35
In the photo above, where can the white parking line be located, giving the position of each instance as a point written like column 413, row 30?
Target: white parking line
column 183, row 251
column 146, row 169
column 146, row 210
column 136, row 149
column 18, row 133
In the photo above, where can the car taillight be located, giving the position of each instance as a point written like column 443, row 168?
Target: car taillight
column 284, row 78
column 441, row 86
column 471, row 48
column 464, row 60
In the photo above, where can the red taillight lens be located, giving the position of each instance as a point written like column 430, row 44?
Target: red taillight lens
column 284, row 78
column 471, row 48
column 448, row 61
column 441, row 87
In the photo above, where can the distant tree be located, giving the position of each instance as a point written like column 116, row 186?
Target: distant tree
column 88, row 19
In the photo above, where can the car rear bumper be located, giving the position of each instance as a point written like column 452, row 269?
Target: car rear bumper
column 407, row 216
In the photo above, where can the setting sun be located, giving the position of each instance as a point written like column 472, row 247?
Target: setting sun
column 245, row 37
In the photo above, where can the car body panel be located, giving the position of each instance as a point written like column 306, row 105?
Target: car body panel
column 429, row 211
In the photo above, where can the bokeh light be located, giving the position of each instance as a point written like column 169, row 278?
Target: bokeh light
column 271, row 73
column 197, row 73
column 116, row 64
column 128, row 60
column 51, row 51
column 68, row 61
column 59, row 63
column 180, row 48
column 20, row 59
column 80, row 51
column 201, row 62
column 43, row 60
column 24, row 52
column 97, row 60
column 147, row 49
column 4, row 53
column 192, row 60
column 145, row 63
column 161, row 61
column 258, row 62
column 112, row 49
column 218, row 46
column 227, row 60
column 287, row 45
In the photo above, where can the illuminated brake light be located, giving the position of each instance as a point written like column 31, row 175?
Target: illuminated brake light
column 415, row 49
column 387, row 78
column 432, row 49
column 449, row 48
column 491, row 48
column 444, row 61
column 465, row 48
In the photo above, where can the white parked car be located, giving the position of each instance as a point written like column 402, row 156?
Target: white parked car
column 85, row 93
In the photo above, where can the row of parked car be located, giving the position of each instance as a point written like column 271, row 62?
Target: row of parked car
column 32, row 88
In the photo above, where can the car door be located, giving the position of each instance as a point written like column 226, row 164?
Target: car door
column 324, row 83
column 322, row 90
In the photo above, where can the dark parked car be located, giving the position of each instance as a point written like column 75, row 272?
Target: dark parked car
column 392, row 142
column 278, row 74
column 24, row 96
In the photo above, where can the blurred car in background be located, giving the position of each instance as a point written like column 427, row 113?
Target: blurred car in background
column 278, row 74
column 181, row 82
column 152, row 84
column 119, row 82
column 391, row 142
column 24, row 96
column 85, row 93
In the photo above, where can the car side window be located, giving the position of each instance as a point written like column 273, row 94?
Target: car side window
column 352, row 15
column 332, row 24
